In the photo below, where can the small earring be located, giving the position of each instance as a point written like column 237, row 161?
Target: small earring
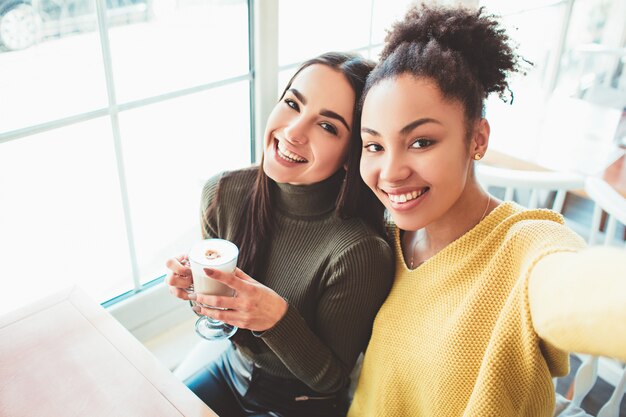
column 477, row 157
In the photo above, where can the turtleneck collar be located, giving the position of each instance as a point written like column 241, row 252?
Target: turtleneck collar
column 309, row 200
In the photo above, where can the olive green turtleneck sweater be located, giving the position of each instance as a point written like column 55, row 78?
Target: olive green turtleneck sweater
column 334, row 273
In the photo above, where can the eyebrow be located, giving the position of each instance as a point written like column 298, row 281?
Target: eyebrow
column 333, row 115
column 323, row 112
column 298, row 95
column 406, row 129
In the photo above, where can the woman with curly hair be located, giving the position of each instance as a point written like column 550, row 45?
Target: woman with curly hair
column 488, row 297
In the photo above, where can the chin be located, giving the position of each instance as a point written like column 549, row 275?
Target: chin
column 271, row 173
column 404, row 222
column 275, row 173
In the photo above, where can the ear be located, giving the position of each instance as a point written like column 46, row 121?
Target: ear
column 480, row 139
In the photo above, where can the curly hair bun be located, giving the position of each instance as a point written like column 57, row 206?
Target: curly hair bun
column 474, row 35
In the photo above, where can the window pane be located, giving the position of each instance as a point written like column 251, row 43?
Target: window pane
column 170, row 149
column 530, row 90
column 309, row 28
column 50, row 62
column 505, row 8
column 591, row 66
column 61, row 216
column 180, row 44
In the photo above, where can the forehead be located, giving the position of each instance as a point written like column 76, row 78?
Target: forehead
column 395, row 102
column 327, row 88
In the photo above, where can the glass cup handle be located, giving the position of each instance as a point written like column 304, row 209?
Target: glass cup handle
column 191, row 302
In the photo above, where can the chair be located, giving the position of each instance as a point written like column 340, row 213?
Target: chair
column 535, row 184
column 610, row 201
column 613, row 371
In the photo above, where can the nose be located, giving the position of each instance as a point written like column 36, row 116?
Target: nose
column 296, row 131
column 394, row 169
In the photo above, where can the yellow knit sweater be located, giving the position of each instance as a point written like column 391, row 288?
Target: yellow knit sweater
column 455, row 336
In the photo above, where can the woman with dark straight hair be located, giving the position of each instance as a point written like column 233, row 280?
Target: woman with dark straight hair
column 311, row 234
column 353, row 200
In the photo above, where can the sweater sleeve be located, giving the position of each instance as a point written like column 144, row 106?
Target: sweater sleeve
column 578, row 300
column 323, row 357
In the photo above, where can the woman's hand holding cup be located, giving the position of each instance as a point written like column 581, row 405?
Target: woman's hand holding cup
column 254, row 307
column 179, row 280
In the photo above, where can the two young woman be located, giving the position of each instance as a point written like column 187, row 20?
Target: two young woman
column 311, row 235
column 488, row 297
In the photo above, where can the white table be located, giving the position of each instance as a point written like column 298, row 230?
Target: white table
column 66, row 356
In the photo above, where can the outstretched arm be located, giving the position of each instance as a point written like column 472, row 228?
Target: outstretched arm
column 578, row 300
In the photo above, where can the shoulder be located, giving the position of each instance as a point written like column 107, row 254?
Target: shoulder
column 229, row 183
column 348, row 232
column 534, row 231
column 361, row 256
column 352, row 239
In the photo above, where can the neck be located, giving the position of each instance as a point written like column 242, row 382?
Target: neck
column 309, row 200
column 472, row 206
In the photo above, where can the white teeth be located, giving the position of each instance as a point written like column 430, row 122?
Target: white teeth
column 288, row 155
column 403, row 198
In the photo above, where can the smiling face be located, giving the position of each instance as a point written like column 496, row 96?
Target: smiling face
column 308, row 133
column 416, row 155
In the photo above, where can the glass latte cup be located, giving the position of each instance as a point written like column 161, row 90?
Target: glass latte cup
column 221, row 255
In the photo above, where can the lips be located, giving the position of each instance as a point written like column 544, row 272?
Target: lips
column 401, row 198
column 406, row 198
column 288, row 155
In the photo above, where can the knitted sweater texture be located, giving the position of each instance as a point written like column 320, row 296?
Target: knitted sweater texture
column 455, row 336
column 334, row 273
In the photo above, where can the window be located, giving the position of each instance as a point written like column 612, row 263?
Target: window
column 113, row 114
column 332, row 26
column 574, row 46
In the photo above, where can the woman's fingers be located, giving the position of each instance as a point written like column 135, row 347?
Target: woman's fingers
column 232, row 317
column 228, row 279
column 242, row 275
column 256, row 308
column 212, row 313
column 179, row 293
column 178, row 265
column 216, row 301
column 180, row 281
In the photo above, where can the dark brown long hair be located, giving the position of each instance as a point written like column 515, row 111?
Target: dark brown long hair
column 354, row 198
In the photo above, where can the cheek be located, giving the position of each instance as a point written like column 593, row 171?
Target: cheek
column 448, row 177
column 273, row 122
column 332, row 154
column 368, row 171
column 446, row 166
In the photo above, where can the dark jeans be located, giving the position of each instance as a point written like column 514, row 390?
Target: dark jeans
column 233, row 387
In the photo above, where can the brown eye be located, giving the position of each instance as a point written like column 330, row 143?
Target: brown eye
column 422, row 143
column 373, row 147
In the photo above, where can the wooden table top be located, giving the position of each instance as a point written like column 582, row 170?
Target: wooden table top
column 615, row 174
column 66, row 356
